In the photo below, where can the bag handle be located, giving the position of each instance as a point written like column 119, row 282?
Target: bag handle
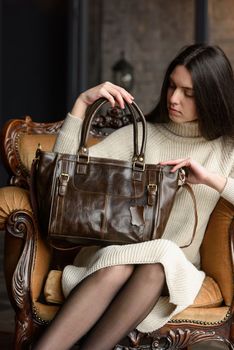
column 92, row 109
column 90, row 113
column 134, row 109
column 190, row 190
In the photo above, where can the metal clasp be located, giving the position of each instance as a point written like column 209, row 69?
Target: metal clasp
column 138, row 164
column 182, row 177
column 83, row 156
column 38, row 151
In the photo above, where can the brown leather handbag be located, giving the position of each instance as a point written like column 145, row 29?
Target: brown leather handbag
column 87, row 200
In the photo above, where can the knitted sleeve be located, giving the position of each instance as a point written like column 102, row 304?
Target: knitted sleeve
column 118, row 145
column 69, row 135
column 228, row 191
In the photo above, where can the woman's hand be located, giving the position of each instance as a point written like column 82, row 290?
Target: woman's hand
column 197, row 174
column 113, row 93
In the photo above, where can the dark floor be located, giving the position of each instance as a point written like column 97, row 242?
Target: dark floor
column 7, row 316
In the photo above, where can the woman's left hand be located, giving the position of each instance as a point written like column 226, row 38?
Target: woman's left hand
column 197, row 174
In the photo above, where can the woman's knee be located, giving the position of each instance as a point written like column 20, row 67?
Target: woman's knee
column 152, row 272
column 115, row 274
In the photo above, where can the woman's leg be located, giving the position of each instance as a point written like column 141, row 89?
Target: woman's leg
column 132, row 304
column 84, row 307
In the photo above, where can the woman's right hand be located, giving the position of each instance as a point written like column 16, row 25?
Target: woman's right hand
column 113, row 93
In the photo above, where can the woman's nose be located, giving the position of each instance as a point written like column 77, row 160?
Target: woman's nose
column 175, row 97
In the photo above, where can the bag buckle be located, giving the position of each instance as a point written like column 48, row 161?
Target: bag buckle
column 152, row 188
column 63, row 181
column 152, row 191
column 64, row 177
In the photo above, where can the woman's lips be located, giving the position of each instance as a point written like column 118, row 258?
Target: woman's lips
column 174, row 111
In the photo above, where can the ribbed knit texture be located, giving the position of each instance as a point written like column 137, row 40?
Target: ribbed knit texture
column 164, row 142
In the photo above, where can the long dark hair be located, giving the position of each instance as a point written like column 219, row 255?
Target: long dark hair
column 213, row 85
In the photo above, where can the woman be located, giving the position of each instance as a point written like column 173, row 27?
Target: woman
column 115, row 289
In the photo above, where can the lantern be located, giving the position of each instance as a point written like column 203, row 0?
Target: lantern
column 123, row 73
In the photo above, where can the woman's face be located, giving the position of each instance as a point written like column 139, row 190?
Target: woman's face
column 180, row 96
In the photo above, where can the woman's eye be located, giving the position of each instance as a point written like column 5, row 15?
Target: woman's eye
column 189, row 93
column 171, row 86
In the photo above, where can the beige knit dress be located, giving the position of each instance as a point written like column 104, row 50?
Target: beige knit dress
column 164, row 142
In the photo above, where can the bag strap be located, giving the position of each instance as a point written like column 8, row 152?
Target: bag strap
column 190, row 190
column 134, row 111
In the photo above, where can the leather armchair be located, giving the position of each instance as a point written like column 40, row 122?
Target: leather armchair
column 33, row 268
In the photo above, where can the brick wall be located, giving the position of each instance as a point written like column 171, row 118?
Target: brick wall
column 151, row 32
column 221, row 24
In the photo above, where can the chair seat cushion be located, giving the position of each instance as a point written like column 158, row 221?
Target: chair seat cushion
column 208, row 296
column 53, row 288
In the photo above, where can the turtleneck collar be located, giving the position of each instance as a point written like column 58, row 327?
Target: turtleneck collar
column 183, row 130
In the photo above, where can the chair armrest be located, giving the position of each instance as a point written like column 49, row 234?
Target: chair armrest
column 25, row 251
column 216, row 249
column 11, row 199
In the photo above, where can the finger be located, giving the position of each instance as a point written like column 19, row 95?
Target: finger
column 172, row 162
column 123, row 92
column 118, row 97
column 184, row 164
column 111, row 94
column 178, row 166
column 108, row 96
column 179, row 163
column 121, row 95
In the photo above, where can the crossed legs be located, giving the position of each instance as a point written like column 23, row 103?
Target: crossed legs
column 106, row 306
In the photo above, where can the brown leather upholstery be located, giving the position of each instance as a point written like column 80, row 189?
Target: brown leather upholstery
column 29, row 143
column 216, row 250
column 204, row 314
column 209, row 294
column 12, row 199
column 53, row 287
column 27, row 146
